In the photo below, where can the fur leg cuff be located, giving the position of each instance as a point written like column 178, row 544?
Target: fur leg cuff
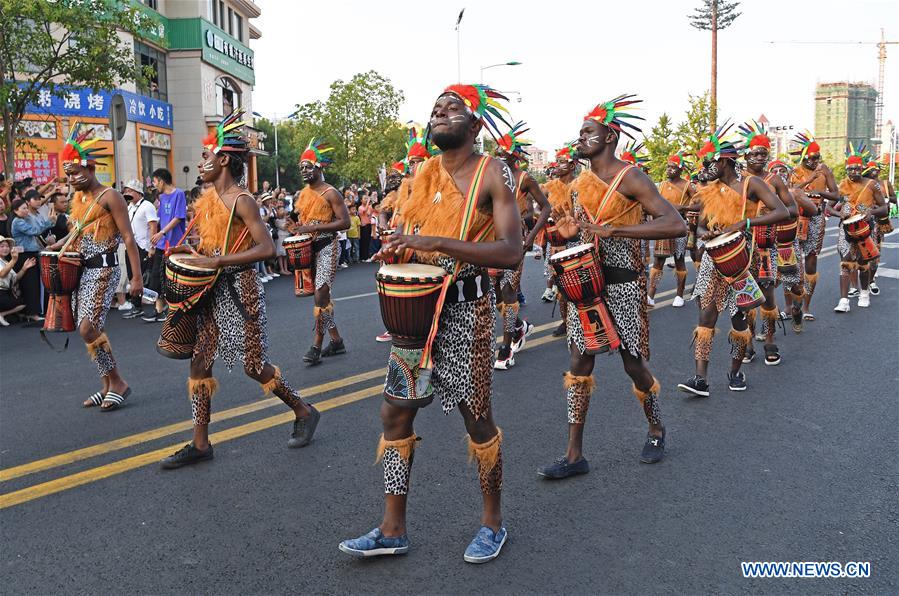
column 404, row 447
column 681, row 275
column 102, row 342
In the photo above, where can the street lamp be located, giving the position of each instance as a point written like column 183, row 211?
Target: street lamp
column 275, row 122
column 509, row 63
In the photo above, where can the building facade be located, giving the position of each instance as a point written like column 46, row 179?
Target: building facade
column 203, row 68
column 844, row 113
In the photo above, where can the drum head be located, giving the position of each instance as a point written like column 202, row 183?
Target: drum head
column 855, row 218
column 300, row 238
column 184, row 261
column 568, row 253
column 722, row 239
column 411, row 271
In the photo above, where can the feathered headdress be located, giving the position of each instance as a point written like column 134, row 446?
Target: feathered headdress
column 856, row 156
column 680, row 160
column 227, row 135
column 778, row 163
column 567, row 152
column 482, row 101
column 79, row 147
column 316, row 153
column 612, row 114
column 718, row 145
column 754, row 135
column 632, row 154
column 872, row 165
column 512, row 143
column 418, row 145
column 399, row 167
column 807, row 144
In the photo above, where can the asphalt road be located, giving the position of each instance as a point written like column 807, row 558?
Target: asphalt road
column 801, row 467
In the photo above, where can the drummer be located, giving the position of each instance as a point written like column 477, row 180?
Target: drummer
column 558, row 194
column 457, row 194
column 862, row 195
column 99, row 219
column 322, row 213
column 231, row 325
column 610, row 201
column 727, row 200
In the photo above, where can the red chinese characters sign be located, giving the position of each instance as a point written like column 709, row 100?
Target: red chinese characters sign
column 41, row 167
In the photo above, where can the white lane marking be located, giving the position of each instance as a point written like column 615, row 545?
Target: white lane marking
column 889, row 245
column 353, row 297
column 887, row 272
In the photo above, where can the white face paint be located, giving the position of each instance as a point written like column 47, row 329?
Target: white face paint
column 458, row 118
column 592, row 140
column 207, row 166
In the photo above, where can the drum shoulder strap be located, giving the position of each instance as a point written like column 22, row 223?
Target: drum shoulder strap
column 745, row 194
column 610, row 191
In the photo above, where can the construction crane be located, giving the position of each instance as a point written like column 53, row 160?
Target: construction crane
column 882, row 59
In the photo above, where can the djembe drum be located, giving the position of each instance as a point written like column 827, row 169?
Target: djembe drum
column 186, row 287
column 858, row 231
column 730, row 253
column 408, row 295
column 298, row 250
column 60, row 274
column 786, row 252
column 580, row 279
column 692, row 225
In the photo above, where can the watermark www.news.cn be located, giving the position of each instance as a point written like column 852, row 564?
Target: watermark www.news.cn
column 801, row 569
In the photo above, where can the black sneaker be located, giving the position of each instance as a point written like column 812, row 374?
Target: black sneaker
column 505, row 359
column 872, row 287
column 185, row 456
column 653, row 449
column 561, row 330
column 521, row 299
column 133, row 313
column 303, row 429
column 695, row 385
column 334, row 348
column 153, row 317
column 313, row 356
column 562, row 469
column 736, row 382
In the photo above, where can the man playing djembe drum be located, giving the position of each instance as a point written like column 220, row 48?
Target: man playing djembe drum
column 463, row 217
column 231, row 321
column 558, row 193
column 725, row 208
column 100, row 219
column 610, row 200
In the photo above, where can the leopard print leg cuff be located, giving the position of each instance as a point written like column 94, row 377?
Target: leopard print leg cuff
column 100, row 352
column 702, row 343
column 279, row 386
column 324, row 318
column 510, row 316
column 200, row 392
column 397, row 458
column 654, row 276
column 650, row 402
column 490, row 462
column 811, row 280
column 579, row 389
column 738, row 342
column 769, row 320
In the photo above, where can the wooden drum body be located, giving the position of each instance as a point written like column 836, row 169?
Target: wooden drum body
column 60, row 274
column 299, row 251
column 186, row 287
column 858, row 231
column 730, row 253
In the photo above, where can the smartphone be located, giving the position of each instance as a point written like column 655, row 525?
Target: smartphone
column 17, row 249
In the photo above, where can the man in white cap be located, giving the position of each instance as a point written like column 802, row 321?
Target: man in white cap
column 144, row 223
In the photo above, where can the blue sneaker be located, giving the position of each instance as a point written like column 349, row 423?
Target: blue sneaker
column 561, row 468
column 485, row 546
column 374, row 544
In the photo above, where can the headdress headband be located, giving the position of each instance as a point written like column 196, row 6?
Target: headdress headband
column 718, row 145
column 417, row 145
column 856, row 156
column 79, row 147
column 754, row 135
column 481, row 100
column 680, row 160
column 316, row 153
column 512, row 143
column 632, row 154
column 567, row 152
column 807, row 144
column 227, row 135
column 613, row 114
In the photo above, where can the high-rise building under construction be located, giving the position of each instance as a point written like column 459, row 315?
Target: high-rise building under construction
column 844, row 113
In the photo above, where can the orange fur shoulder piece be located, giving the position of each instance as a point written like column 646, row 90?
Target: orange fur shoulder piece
column 100, row 223
column 858, row 194
column 671, row 193
column 212, row 224
column 558, row 194
column 619, row 211
column 435, row 204
column 722, row 206
column 389, row 201
column 802, row 174
column 311, row 206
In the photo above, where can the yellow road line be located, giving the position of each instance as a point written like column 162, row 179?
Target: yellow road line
column 76, row 455
column 130, row 463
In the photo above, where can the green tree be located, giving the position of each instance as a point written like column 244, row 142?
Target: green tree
column 51, row 45
column 360, row 119
column 293, row 136
column 714, row 16
column 692, row 133
column 660, row 143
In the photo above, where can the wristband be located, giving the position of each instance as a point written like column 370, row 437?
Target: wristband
column 747, row 224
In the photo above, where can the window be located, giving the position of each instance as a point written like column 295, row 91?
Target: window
column 230, row 21
column 238, row 24
column 221, row 21
column 213, row 12
column 147, row 56
column 151, row 3
column 227, row 96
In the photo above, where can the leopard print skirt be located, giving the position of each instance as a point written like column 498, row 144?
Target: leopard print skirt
column 814, row 242
column 326, row 264
column 97, row 285
column 231, row 332
column 463, row 355
column 511, row 277
column 711, row 289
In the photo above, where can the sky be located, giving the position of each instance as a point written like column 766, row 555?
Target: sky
column 576, row 54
